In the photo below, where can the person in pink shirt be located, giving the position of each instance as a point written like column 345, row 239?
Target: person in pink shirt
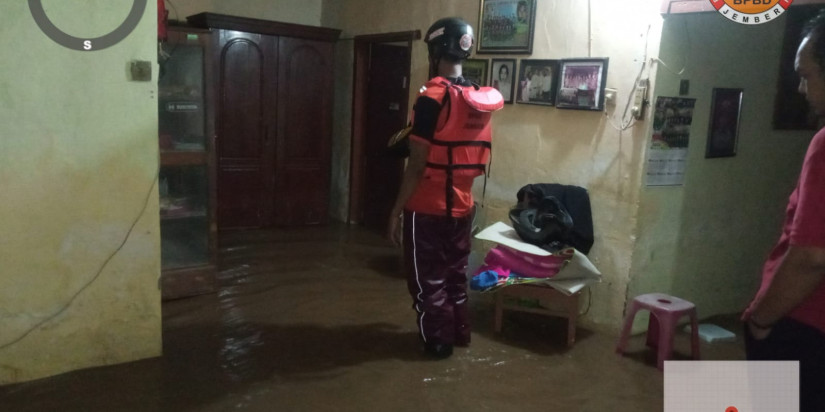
column 786, row 319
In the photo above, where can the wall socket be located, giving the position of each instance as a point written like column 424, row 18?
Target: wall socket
column 610, row 96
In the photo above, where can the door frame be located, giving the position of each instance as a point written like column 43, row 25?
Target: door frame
column 360, row 84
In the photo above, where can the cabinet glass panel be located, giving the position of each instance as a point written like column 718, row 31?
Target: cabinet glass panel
column 184, row 224
column 181, row 98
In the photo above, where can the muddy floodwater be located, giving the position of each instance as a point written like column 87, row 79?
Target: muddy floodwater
column 319, row 319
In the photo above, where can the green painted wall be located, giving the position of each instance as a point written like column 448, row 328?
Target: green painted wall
column 79, row 250
column 705, row 241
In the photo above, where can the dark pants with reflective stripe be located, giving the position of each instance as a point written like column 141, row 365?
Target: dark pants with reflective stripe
column 436, row 250
column 792, row 340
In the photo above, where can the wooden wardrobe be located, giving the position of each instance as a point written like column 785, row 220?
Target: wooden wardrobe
column 273, row 120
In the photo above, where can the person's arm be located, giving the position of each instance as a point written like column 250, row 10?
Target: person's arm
column 800, row 273
column 416, row 164
column 424, row 124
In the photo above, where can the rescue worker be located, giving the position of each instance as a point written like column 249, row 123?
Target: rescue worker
column 449, row 147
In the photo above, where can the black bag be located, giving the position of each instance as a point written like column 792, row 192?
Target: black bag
column 545, row 224
column 575, row 200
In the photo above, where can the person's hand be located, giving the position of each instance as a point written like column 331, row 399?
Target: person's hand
column 394, row 229
column 758, row 332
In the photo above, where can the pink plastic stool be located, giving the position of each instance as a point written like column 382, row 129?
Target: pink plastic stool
column 665, row 312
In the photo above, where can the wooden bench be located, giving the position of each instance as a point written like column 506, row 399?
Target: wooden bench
column 562, row 305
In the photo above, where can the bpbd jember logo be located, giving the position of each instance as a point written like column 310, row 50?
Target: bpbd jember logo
column 751, row 11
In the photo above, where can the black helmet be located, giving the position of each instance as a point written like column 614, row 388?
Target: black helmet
column 450, row 36
column 542, row 225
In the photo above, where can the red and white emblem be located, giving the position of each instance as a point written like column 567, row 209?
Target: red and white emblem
column 466, row 42
column 751, row 11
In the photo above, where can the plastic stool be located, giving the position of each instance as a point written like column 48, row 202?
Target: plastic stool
column 665, row 312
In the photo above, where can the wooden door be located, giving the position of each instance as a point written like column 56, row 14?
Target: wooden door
column 302, row 165
column 366, row 110
column 387, row 93
column 246, row 121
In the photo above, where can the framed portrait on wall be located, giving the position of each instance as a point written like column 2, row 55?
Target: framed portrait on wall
column 726, row 106
column 501, row 77
column 581, row 84
column 506, row 26
column 475, row 70
column 538, row 82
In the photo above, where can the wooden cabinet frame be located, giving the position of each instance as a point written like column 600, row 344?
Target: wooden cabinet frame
column 177, row 282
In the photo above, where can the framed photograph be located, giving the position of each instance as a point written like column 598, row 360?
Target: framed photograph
column 538, row 82
column 475, row 70
column 582, row 84
column 501, row 77
column 506, row 26
column 726, row 105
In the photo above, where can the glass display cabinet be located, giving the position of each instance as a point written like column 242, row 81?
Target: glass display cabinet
column 186, row 176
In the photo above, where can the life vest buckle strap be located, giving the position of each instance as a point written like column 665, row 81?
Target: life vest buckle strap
column 458, row 143
column 455, row 166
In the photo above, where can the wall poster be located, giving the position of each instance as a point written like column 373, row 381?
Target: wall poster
column 667, row 154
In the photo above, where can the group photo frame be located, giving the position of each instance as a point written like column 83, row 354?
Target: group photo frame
column 475, row 70
column 538, row 82
column 502, row 77
column 582, row 83
column 506, row 26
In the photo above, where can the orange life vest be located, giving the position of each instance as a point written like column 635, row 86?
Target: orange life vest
column 459, row 150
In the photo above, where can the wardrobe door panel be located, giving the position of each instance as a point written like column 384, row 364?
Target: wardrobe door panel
column 303, row 143
column 245, row 125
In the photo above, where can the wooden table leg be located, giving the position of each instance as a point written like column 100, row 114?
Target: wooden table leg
column 572, row 317
column 498, row 312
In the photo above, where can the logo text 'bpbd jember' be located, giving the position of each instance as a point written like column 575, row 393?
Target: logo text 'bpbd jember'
column 751, row 11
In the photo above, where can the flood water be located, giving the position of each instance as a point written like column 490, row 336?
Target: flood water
column 319, row 319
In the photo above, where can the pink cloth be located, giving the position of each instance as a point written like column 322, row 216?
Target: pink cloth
column 526, row 264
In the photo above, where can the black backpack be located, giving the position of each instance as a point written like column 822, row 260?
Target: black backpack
column 545, row 224
column 574, row 200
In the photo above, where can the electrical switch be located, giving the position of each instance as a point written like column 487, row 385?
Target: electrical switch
column 141, row 70
column 640, row 99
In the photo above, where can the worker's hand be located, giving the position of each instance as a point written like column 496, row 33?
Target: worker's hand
column 394, row 228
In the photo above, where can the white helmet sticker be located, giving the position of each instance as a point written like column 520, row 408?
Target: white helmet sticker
column 466, row 42
column 435, row 34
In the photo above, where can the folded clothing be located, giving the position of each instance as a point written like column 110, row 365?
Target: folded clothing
column 489, row 278
column 526, row 264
